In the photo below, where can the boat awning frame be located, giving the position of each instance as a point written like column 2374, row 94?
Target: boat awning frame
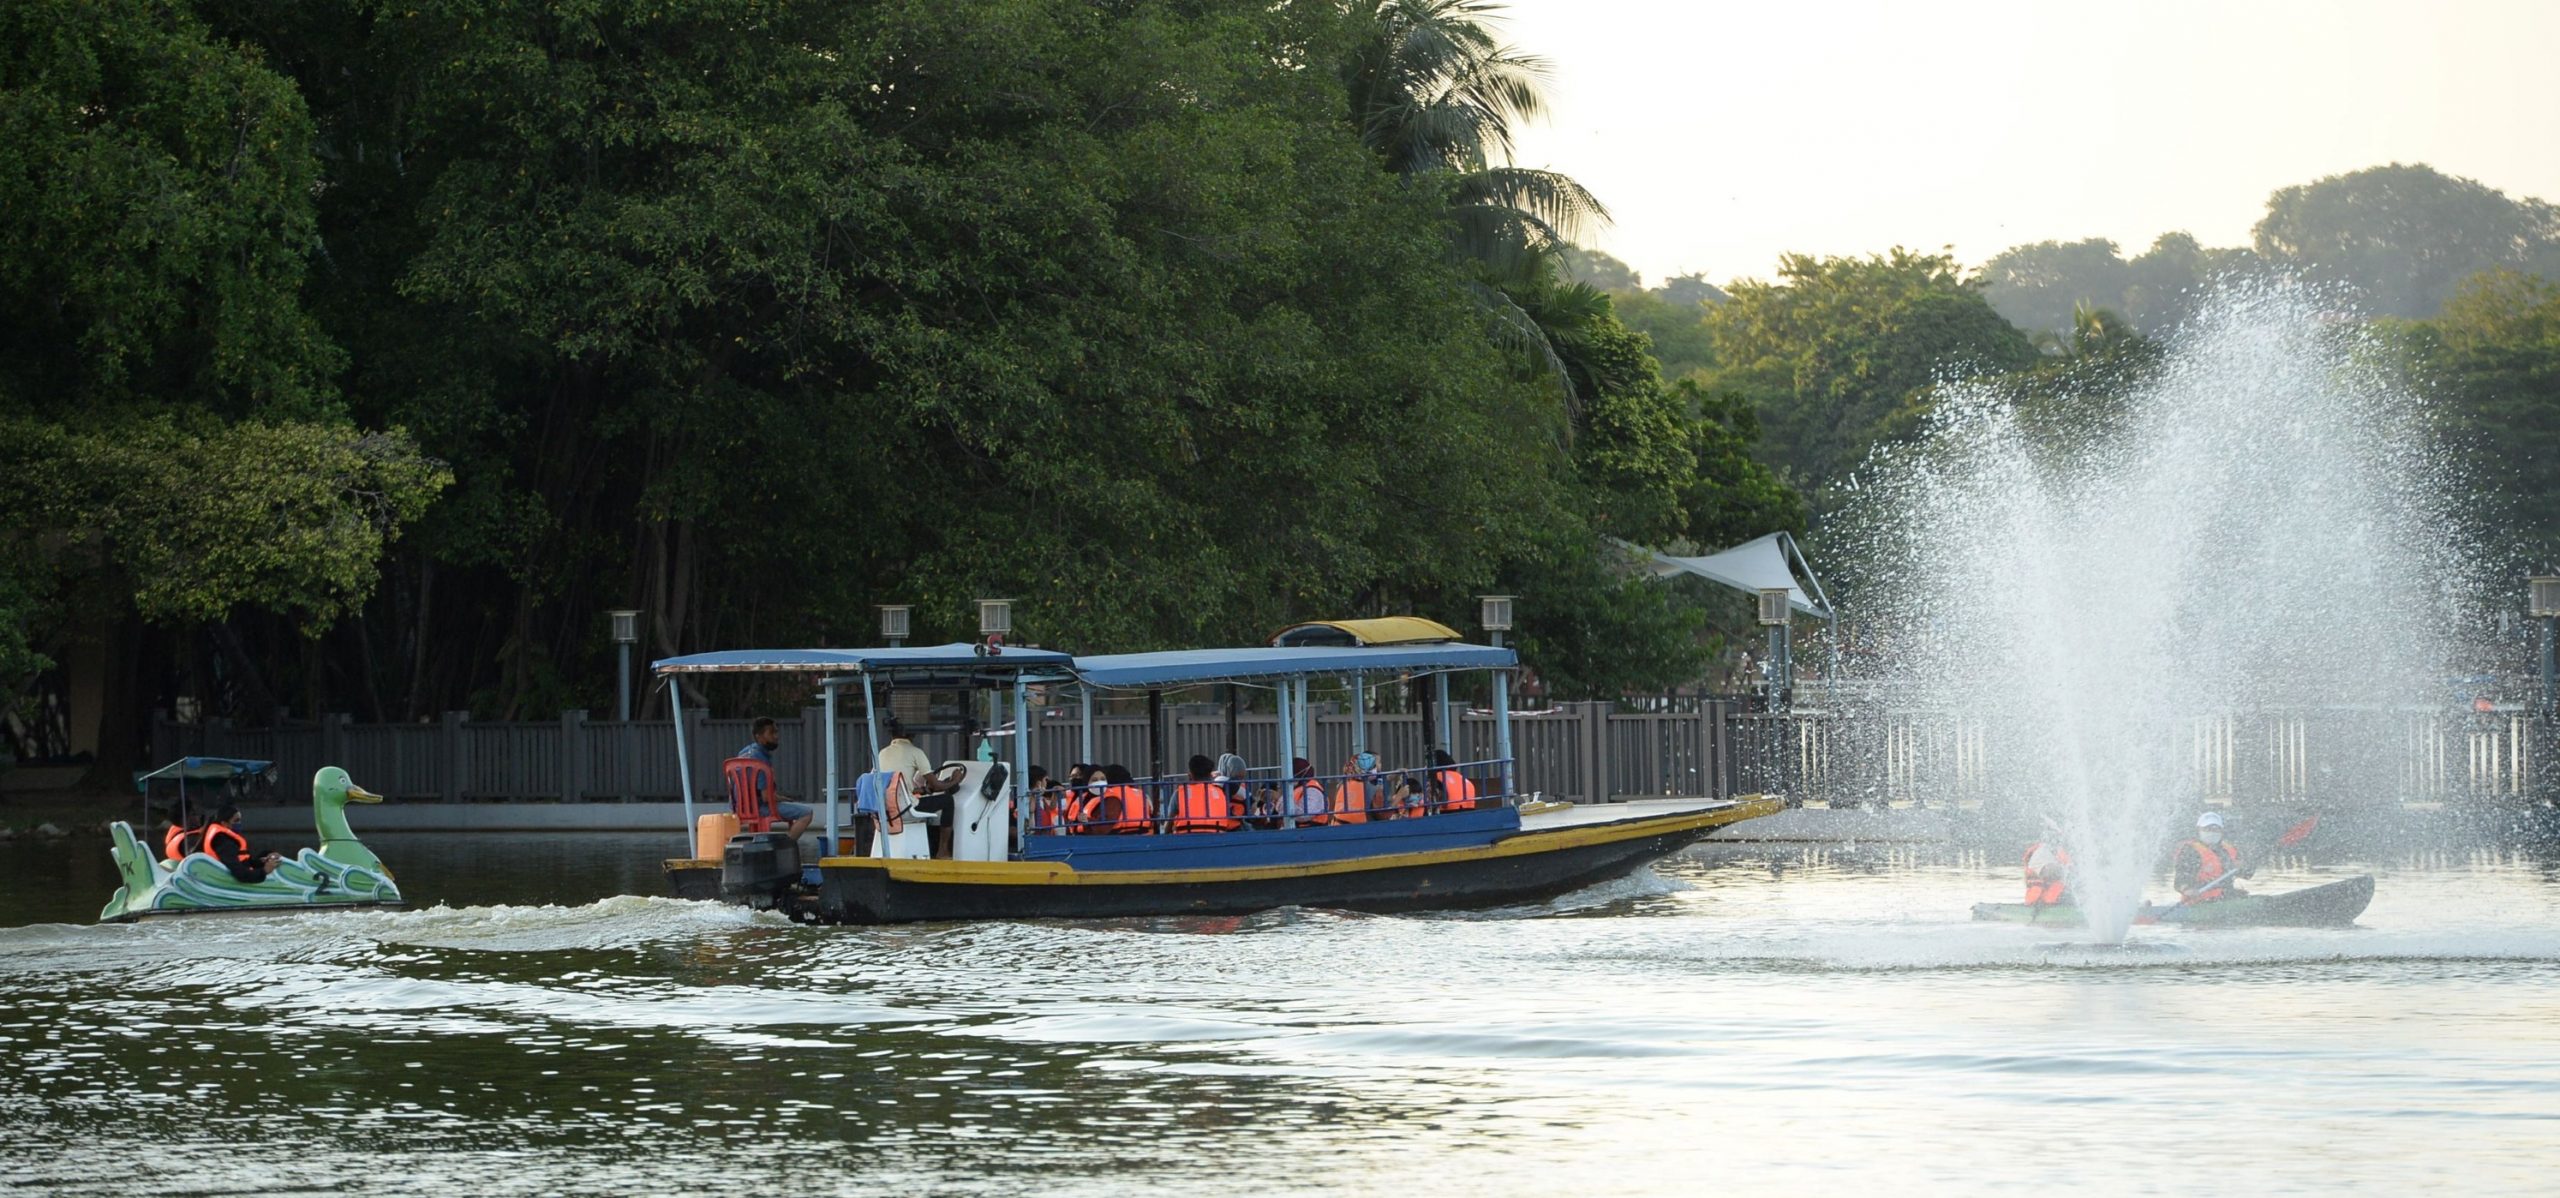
column 203, row 769
column 1191, row 667
column 958, row 657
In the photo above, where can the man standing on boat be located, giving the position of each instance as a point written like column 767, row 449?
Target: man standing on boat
column 2205, row 865
column 766, row 737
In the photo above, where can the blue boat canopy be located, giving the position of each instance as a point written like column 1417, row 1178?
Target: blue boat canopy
column 1185, row 666
column 959, row 655
column 203, row 769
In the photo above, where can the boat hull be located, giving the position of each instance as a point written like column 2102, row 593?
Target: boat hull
column 1521, row 866
column 2335, row 905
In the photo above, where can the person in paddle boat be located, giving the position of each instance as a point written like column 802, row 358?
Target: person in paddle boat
column 765, row 737
column 183, row 839
column 2048, row 868
column 223, row 842
column 2206, row 865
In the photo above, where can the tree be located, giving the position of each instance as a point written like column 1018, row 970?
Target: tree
column 2493, row 361
column 2406, row 236
column 1831, row 351
column 1435, row 96
column 2039, row 287
column 1598, row 269
column 173, row 444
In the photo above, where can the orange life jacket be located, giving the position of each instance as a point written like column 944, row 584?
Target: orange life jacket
column 1456, row 793
column 2043, row 892
column 178, row 843
column 2212, row 865
column 1123, row 808
column 1047, row 813
column 236, row 850
column 1351, row 806
column 1203, row 807
column 1310, row 804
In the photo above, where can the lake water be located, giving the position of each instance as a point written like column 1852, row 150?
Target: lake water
column 1746, row 1019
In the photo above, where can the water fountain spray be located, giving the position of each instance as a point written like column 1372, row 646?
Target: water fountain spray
column 2257, row 524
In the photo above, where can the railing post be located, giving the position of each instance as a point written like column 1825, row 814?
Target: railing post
column 457, row 756
column 573, row 756
column 1595, row 735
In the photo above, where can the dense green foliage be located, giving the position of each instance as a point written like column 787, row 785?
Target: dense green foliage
column 1832, row 353
column 2492, row 360
column 2400, row 238
column 1176, row 323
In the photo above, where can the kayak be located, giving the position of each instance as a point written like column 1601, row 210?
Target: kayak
column 2335, row 905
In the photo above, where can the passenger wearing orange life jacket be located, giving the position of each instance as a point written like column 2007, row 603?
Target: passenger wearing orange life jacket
column 1362, row 791
column 2207, row 860
column 1080, row 802
column 224, row 844
column 1123, row 806
column 183, row 838
column 2048, row 866
column 1456, row 793
column 1307, row 803
column 1202, row 803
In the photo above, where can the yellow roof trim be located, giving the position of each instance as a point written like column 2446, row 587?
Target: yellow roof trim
column 1383, row 630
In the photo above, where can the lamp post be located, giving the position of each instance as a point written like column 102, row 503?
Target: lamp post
column 1494, row 612
column 995, row 622
column 893, row 624
column 626, row 633
column 1773, row 616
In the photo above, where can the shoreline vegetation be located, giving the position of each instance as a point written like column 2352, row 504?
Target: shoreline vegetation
column 362, row 359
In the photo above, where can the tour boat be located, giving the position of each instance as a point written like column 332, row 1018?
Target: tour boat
column 1016, row 855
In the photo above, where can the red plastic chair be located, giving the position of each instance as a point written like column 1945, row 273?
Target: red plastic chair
column 750, row 793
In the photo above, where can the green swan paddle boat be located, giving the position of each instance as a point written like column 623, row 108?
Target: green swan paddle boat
column 340, row 873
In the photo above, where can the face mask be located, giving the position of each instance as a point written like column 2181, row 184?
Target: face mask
column 2210, row 836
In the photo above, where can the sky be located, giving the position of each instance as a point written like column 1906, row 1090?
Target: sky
column 1722, row 134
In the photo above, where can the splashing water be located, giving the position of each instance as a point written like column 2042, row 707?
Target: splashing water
column 2258, row 524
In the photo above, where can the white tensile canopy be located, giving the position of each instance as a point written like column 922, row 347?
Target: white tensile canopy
column 1763, row 564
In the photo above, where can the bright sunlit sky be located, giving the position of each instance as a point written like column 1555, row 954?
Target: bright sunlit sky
column 1723, row 133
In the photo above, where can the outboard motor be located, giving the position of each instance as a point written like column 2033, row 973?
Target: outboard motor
column 758, row 868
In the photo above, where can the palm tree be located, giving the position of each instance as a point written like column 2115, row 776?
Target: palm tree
column 1436, row 96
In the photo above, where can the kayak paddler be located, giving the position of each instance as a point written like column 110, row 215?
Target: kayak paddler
column 2048, row 869
column 2206, row 864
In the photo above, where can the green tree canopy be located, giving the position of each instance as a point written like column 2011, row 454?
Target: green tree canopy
column 1831, row 351
column 2406, row 236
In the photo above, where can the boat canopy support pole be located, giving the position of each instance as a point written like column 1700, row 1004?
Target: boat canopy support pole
column 1155, row 736
column 684, row 764
column 870, row 726
column 1288, row 777
column 1018, row 794
column 1440, row 699
column 1359, row 714
column 1502, row 730
column 1085, row 696
column 827, row 697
